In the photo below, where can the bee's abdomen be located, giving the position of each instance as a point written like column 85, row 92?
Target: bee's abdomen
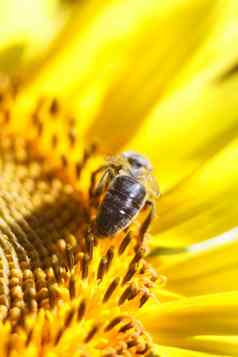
column 122, row 202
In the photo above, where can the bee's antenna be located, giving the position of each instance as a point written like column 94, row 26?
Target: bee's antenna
column 215, row 242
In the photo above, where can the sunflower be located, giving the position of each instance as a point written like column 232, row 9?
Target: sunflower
column 101, row 77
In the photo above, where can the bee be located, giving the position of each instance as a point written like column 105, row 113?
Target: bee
column 127, row 186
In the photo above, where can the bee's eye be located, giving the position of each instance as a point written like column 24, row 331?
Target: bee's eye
column 135, row 163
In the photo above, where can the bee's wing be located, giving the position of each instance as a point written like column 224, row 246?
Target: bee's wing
column 152, row 185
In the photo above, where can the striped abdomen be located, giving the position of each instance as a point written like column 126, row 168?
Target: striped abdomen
column 120, row 205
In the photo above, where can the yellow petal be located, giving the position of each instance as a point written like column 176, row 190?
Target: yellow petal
column 203, row 205
column 188, row 322
column 27, row 28
column 167, row 351
column 209, row 271
column 114, row 60
column 151, row 65
column 228, row 348
column 166, row 295
column 188, row 128
column 221, row 345
column 217, row 53
column 198, row 114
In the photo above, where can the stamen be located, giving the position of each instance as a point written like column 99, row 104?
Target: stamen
column 69, row 317
column 111, row 289
column 81, row 310
column 122, row 348
column 72, row 286
column 102, row 268
column 113, row 323
column 72, row 137
column 134, row 291
column 91, row 333
column 59, row 335
column 129, row 293
column 139, row 254
column 109, row 256
column 78, row 169
column 64, row 161
column 144, row 298
column 89, row 243
column 124, row 244
column 126, row 327
column 143, row 351
column 54, row 107
column 132, row 343
column 131, row 271
column 84, row 266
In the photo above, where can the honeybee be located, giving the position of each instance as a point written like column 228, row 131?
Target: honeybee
column 127, row 186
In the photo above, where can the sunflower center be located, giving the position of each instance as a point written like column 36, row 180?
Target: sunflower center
column 37, row 212
column 49, row 257
column 62, row 290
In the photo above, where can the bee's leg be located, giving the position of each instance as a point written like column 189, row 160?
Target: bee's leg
column 94, row 179
column 150, row 207
column 99, row 188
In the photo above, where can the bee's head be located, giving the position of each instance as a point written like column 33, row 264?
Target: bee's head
column 137, row 162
